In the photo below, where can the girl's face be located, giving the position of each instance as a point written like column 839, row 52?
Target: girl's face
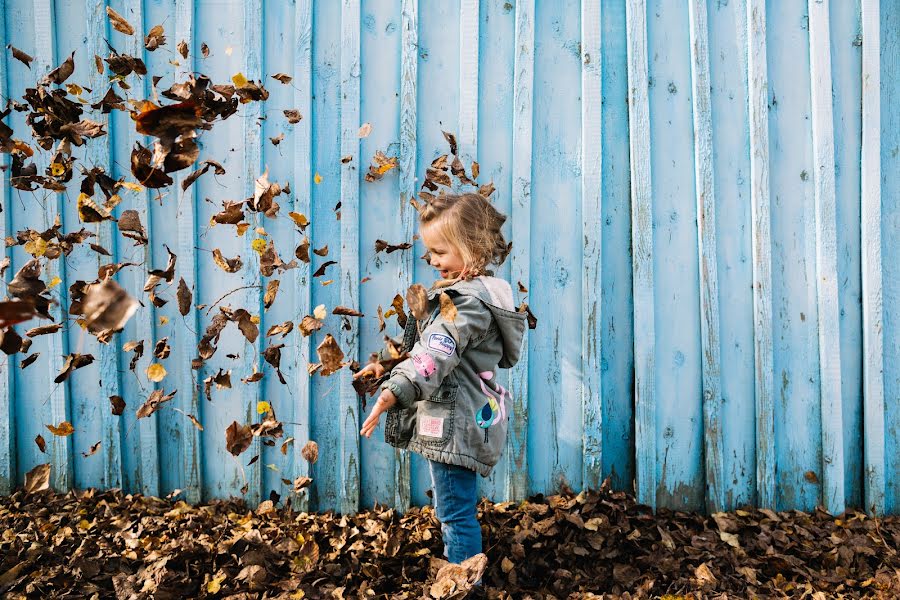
column 444, row 256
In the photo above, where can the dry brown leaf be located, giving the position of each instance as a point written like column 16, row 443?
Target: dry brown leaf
column 118, row 22
column 448, row 309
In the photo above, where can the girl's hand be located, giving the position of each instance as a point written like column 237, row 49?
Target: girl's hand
column 374, row 369
column 385, row 401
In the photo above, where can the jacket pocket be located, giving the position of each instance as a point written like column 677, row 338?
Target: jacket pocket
column 399, row 426
column 434, row 422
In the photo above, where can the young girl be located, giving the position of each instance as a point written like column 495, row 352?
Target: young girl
column 444, row 401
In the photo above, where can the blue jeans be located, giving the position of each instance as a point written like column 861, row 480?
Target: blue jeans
column 455, row 501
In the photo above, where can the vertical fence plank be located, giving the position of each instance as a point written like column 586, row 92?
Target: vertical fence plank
column 468, row 80
column 188, row 336
column 349, row 430
column 252, row 168
column 97, row 153
column 826, row 257
column 591, row 214
column 642, row 252
column 302, row 204
column 517, row 441
column 706, row 238
column 762, row 245
column 409, row 61
column 873, row 331
column 58, row 407
column 7, row 391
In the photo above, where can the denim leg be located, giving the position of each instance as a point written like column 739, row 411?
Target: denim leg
column 455, row 504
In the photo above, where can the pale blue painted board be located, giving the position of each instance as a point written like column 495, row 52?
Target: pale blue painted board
column 676, row 279
column 7, row 392
column 325, row 229
column 496, row 64
column 437, row 109
column 380, row 37
column 278, row 57
column 870, row 239
column 555, row 420
column 796, row 356
column 890, row 219
column 731, row 153
column 617, row 343
column 846, row 61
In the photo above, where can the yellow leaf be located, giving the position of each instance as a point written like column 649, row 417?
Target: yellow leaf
column 54, row 282
column 242, row 227
column 74, row 89
column 298, row 595
column 329, row 282
column 84, row 524
column 239, row 80
column 36, row 247
column 299, row 218
column 263, row 407
column 259, row 245
column 255, row 319
column 320, row 312
column 57, row 169
column 65, row 428
column 163, row 320
column 156, row 372
column 261, row 231
column 317, row 179
column 134, row 187
column 215, row 584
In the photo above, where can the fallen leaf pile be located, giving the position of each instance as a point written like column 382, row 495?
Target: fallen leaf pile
column 95, row 544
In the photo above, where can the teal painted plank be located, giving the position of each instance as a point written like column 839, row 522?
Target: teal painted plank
column 710, row 334
column 496, row 62
column 890, row 219
column 523, row 97
column 616, row 309
column 468, row 81
column 409, row 61
column 185, row 379
column 555, row 407
column 592, row 232
column 731, row 180
column 846, row 61
column 763, row 351
column 874, row 443
column 57, row 409
column 326, row 230
column 796, row 357
column 252, row 167
column 98, row 152
column 349, row 258
column 301, row 276
column 826, row 257
column 642, row 253
column 7, row 391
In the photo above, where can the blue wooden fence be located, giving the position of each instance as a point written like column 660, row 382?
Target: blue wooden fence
column 704, row 200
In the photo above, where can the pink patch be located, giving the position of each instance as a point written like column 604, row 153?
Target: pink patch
column 424, row 365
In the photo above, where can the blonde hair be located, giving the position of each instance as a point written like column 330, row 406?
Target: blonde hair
column 472, row 225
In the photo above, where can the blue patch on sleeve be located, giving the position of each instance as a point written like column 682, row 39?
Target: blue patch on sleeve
column 441, row 343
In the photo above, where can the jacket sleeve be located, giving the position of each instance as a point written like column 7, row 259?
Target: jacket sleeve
column 438, row 351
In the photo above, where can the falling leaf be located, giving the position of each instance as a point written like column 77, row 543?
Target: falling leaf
column 62, row 72
column 118, row 22
column 293, row 116
column 237, row 438
column 323, row 251
column 282, row 77
column 381, row 245
column 299, row 219
column 38, row 478
column 262, row 407
column 310, row 452
column 317, row 179
column 308, row 325
column 195, row 422
column 117, row 405
column 93, row 449
column 811, row 477
column 182, row 49
column 184, row 297
column 154, row 401
column 156, row 372
column 417, row 301
column 73, row 361
column 349, row 312
column 330, row 355
column 229, row 265
column 63, row 429
column 155, row 38
column 448, row 309
column 302, row 251
column 41, row 444
column 365, row 130
column 204, row 50
column 321, row 270
column 271, row 293
column 277, row 139
column 20, row 56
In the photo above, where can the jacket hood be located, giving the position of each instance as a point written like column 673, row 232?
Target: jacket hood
column 497, row 295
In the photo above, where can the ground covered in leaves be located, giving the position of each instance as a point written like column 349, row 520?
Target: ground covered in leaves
column 598, row 544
